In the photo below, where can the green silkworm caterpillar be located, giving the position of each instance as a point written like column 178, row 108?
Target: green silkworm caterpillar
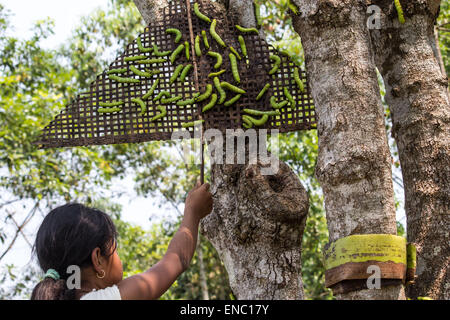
column 200, row 15
column 215, row 74
column 198, row 51
column 123, row 80
column 134, row 58
column 140, row 73
column 110, row 104
column 176, row 32
column 261, row 113
column 246, row 30
column 205, row 39
column 141, row 47
column 298, row 80
column 235, row 53
column 234, row 68
column 188, row 101
column 112, row 71
column 219, row 89
column 256, row 122
column 155, row 71
column 171, row 99
column 401, row 16
column 275, row 104
column 192, row 124
column 176, row 52
column 230, row 87
column 109, row 110
column 206, row 94
column 232, row 100
column 211, row 103
column 151, row 90
column 263, row 90
column 162, row 93
column 289, row 97
column 243, row 46
column 161, row 115
column 185, row 72
column 218, row 56
column 152, row 61
column 214, row 34
column 176, row 73
column 247, row 123
column 186, row 47
column 141, row 104
column 158, row 53
column 276, row 59
column 257, row 14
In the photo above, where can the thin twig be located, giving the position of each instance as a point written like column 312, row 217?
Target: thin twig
column 27, row 219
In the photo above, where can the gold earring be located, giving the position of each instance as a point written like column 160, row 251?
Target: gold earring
column 102, row 276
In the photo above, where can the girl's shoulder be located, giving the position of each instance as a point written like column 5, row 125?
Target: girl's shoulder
column 110, row 293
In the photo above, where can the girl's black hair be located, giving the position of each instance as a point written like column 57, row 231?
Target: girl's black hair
column 67, row 236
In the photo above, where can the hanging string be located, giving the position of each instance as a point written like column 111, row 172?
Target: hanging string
column 202, row 143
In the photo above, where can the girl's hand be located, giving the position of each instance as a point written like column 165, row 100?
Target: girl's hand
column 199, row 201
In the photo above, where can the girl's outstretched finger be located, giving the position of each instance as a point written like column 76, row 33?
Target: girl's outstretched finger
column 206, row 186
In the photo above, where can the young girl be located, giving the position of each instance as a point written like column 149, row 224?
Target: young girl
column 74, row 235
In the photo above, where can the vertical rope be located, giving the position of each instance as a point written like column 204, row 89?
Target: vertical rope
column 191, row 34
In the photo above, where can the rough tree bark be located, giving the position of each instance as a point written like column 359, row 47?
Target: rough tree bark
column 257, row 226
column 417, row 92
column 354, row 162
column 257, row 222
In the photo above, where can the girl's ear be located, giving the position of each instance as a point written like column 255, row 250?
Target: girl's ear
column 97, row 259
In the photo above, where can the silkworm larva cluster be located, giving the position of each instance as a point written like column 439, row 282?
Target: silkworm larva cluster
column 252, row 117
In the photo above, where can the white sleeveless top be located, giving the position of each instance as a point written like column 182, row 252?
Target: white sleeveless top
column 110, row 293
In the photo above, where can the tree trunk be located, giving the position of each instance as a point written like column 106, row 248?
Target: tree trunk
column 257, row 226
column 258, row 220
column 416, row 90
column 354, row 163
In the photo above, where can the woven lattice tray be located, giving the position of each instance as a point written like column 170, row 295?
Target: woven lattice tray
column 81, row 123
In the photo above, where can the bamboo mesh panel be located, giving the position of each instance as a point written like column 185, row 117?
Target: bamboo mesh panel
column 81, row 124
